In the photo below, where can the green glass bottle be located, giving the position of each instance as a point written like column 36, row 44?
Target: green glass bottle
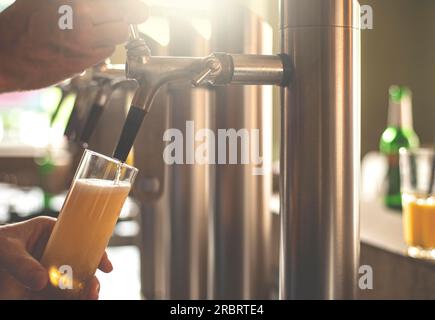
column 46, row 167
column 398, row 134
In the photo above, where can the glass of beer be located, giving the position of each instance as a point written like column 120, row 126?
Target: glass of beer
column 85, row 224
column 418, row 201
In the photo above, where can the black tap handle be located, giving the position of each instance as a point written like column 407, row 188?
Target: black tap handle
column 71, row 124
column 58, row 107
column 94, row 116
column 129, row 132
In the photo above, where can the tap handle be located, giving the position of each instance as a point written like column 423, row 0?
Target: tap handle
column 101, row 102
column 71, row 123
column 137, row 48
column 91, row 122
column 134, row 32
column 202, row 77
column 129, row 132
column 54, row 115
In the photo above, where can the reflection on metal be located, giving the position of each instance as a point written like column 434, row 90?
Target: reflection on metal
column 174, row 198
column 256, row 69
column 150, row 188
column 320, row 150
column 188, row 185
column 239, row 232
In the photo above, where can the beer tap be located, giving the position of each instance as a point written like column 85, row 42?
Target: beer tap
column 109, row 78
column 80, row 85
column 153, row 72
column 66, row 88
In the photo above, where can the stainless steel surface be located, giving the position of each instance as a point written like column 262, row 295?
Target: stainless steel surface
column 151, row 189
column 174, row 198
column 319, row 160
column 109, row 71
column 239, row 236
column 319, row 13
column 257, row 69
column 188, row 184
column 243, row 69
column 157, row 72
column 215, row 69
column 162, row 66
column 320, row 150
column 239, row 231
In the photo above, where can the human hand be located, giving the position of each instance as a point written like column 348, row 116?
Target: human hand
column 21, row 246
column 35, row 52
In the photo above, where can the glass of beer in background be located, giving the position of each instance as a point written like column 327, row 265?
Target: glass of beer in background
column 85, row 224
column 418, row 201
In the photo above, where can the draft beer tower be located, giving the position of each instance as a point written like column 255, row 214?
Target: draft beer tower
column 320, row 149
column 318, row 71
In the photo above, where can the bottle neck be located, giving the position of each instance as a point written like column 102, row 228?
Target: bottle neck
column 400, row 113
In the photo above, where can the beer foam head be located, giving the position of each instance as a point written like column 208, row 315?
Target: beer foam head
column 102, row 184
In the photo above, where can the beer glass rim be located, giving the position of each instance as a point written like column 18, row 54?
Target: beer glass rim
column 110, row 159
column 422, row 151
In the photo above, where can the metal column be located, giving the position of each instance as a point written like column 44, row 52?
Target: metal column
column 188, row 183
column 320, row 150
column 239, row 232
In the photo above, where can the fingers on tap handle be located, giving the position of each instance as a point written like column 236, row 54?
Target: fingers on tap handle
column 136, row 11
column 129, row 132
column 128, row 11
column 91, row 122
column 110, row 25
